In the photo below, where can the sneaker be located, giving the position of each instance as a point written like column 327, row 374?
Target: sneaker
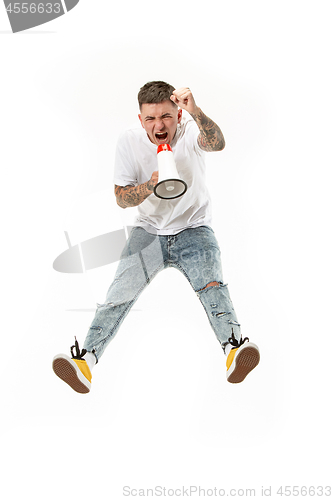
column 241, row 359
column 74, row 371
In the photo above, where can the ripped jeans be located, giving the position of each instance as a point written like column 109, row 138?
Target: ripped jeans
column 195, row 252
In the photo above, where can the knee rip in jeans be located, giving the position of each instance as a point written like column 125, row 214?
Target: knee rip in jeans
column 212, row 283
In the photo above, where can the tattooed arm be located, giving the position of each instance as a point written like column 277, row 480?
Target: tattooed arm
column 210, row 137
column 131, row 196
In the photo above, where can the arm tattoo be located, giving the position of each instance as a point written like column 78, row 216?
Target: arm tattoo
column 210, row 137
column 131, row 196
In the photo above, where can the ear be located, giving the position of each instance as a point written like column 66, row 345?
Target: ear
column 180, row 114
column 140, row 120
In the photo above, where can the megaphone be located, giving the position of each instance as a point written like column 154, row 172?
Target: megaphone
column 169, row 185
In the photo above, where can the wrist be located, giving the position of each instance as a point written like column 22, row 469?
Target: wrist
column 197, row 114
column 150, row 186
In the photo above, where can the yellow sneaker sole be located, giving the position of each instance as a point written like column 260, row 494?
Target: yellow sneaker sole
column 66, row 369
column 245, row 360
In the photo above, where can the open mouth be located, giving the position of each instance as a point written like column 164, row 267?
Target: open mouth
column 161, row 136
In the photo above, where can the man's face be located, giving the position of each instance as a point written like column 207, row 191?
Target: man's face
column 160, row 121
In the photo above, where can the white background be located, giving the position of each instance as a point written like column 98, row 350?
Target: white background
column 160, row 411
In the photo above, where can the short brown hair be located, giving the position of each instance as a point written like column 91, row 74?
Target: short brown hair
column 155, row 92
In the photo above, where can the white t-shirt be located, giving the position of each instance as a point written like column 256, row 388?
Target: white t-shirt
column 136, row 160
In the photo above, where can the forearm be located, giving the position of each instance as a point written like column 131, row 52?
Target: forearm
column 210, row 137
column 131, row 196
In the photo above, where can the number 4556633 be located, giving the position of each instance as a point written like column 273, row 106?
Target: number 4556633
column 33, row 8
column 311, row 491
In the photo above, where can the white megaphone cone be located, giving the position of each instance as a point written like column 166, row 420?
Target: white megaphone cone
column 169, row 185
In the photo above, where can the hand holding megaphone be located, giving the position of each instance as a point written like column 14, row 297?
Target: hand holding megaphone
column 153, row 181
column 169, row 184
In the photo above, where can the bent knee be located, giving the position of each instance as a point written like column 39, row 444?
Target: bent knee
column 212, row 283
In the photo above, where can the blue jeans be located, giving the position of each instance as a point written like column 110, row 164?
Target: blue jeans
column 195, row 252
